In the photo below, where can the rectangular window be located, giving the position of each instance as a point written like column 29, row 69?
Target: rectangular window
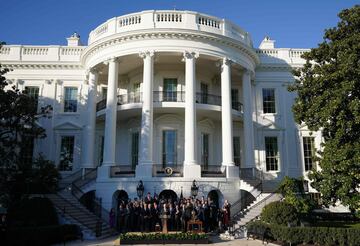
column 169, row 148
column 136, row 93
column 70, row 99
column 27, row 149
column 170, row 90
column 269, row 101
column 104, row 93
column 272, row 154
column 204, row 93
column 67, row 153
column 134, row 149
column 309, row 152
column 205, row 150
column 237, row 157
column 101, row 154
column 33, row 92
column 235, row 99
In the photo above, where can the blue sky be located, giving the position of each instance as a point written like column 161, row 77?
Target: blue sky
column 294, row 24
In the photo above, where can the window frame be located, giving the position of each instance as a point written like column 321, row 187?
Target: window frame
column 275, row 157
column 273, row 101
column 77, row 99
column 312, row 152
column 72, row 153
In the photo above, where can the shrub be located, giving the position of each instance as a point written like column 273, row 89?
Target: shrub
column 44, row 235
column 310, row 235
column 37, row 211
column 279, row 213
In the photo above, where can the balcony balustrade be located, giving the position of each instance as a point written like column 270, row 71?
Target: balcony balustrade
column 169, row 96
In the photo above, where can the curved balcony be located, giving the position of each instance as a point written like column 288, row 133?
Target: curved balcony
column 174, row 19
column 168, row 96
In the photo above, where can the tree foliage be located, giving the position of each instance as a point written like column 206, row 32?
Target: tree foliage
column 19, row 119
column 328, row 89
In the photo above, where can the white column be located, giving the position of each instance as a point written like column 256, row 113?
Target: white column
column 226, row 118
column 248, row 122
column 191, row 168
column 146, row 140
column 88, row 145
column 111, row 109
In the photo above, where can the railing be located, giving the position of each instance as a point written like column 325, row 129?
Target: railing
column 129, row 20
column 96, row 205
column 101, row 105
column 169, row 96
column 157, row 19
column 213, row 171
column 245, row 200
column 160, row 170
column 208, row 21
column 251, row 173
column 237, row 106
column 205, row 98
column 122, row 171
column 66, row 181
column 168, row 17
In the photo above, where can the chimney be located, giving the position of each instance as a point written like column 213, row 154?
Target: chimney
column 267, row 43
column 74, row 40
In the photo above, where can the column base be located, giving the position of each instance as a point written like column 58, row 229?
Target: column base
column 144, row 170
column 192, row 171
column 232, row 172
column 103, row 172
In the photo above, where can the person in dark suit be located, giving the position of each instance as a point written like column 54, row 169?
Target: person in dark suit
column 172, row 217
column 148, row 218
column 148, row 199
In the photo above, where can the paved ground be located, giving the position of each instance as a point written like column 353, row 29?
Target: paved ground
column 216, row 241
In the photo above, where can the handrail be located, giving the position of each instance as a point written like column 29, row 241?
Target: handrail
column 77, row 192
column 244, row 201
column 70, row 178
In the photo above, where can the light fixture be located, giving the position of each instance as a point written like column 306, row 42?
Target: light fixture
column 140, row 189
column 194, row 189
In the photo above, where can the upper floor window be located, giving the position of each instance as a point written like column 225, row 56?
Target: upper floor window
column 272, row 154
column 204, row 93
column 205, row 149
column 170, row 93
column 70, row 99
column 33, row 92
column 135, row 139
column 237, row 151
column 235, row 99
column 67, row 153
column 136, row 92
column 309, row 152
column 269, row 101
column 104, row 92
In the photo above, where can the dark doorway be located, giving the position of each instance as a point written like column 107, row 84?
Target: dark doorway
column 214, row 197
column 88, row 200
column 122, row 197
column 168, row 194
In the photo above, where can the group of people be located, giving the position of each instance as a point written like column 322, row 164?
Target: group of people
column 148, row 214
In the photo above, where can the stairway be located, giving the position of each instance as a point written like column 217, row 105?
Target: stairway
column 72, row 210
column 255, row 208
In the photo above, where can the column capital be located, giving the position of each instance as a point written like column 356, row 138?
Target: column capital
column 112, row 59
column 147, row 53
column 190, row 55
column 92, row 70
column 224, row 61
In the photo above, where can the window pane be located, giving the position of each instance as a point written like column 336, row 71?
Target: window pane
column 269, row 101
column 205, row 149
column 309, row 152
column 134, row 149
column 67, row 153
column 272, row 154
column 235, row 99
column 33, row 92
column 204, row 93
column 70, row 99
column 169, row 148
column 237, row 157
column 170, row 87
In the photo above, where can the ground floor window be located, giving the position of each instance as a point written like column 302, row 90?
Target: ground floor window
column 67, row 153
column 309, row 152
column 272, row 154
column 169, row 148
column 134, row 149
column 205, row 149
column 236, row 146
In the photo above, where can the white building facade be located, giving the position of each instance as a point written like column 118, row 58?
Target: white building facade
column 166, row 97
